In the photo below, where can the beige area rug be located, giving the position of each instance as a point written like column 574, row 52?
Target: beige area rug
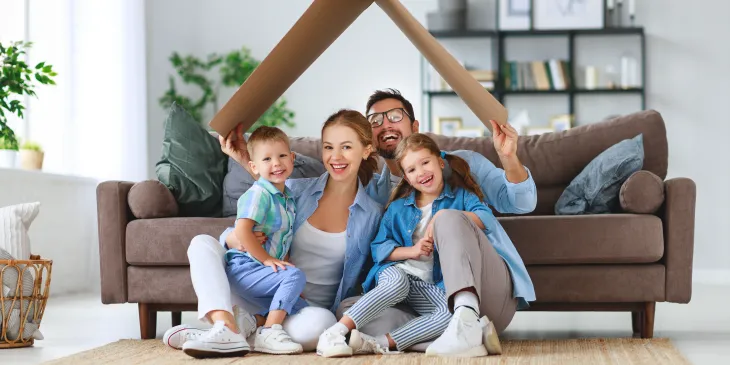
column 625, row 351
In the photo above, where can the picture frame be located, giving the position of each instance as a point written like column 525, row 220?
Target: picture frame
column 514, row 14
column 447, row 126
column 535, row 131
column 470, row 132
column 561, row 123
column 568, row 14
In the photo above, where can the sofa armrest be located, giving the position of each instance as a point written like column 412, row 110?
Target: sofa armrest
column 113, row 214
column 679, row 231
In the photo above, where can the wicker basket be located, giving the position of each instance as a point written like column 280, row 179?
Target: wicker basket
column 31, row 306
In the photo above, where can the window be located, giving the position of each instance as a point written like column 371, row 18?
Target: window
column 13, row 28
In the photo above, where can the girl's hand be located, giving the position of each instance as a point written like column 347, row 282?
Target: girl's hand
column 424, row 247
column 274, row 263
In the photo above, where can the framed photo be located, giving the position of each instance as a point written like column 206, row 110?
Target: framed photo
column 447, row 126
column 514, row 14
column 471, row 132
column 561, row 122
column 568, row 14
column 534, row 131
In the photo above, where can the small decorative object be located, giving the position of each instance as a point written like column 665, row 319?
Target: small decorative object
column 447, row 126
column 31, row 156
column 514, row 14
column 17, row 79
column 471, row 132
column 610, row 5
column 591, row 77
column 611, row 77
column 560, row 123
column 534, row 131
column 629, row 72
column 568, row 14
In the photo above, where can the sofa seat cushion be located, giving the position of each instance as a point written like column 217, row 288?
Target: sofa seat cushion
column 165, row 241
column 586, row 239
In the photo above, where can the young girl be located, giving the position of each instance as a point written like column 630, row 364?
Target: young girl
column 406, row 267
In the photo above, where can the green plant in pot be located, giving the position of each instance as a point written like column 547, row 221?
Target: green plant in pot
column 17, row 79
column 31, row 156
column 233, row 70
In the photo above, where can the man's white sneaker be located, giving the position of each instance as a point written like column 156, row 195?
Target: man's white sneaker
column 333, row 344
column 365, row 344
column 491, row 338
column 276, row 341
column 176, row 336
column 462, row 338
column 246, row 322
column 219, row 341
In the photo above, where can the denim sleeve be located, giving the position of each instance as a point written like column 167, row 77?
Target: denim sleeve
column 474, row 205
column 379, row 188
column 503, row 195
column 384, row 242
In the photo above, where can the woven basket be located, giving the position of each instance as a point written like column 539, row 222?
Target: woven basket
column 31, row 303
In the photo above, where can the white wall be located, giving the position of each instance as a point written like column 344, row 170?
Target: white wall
column 687, row 80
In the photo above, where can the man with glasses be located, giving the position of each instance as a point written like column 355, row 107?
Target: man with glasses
column 481, row 279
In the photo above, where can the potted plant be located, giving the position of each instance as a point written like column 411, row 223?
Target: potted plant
column 16, row 80
column 31, row 156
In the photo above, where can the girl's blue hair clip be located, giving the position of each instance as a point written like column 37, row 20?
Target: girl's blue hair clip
column 443, row 154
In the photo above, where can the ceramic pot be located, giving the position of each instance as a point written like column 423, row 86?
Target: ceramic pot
column 31, row 160
column 8, row 158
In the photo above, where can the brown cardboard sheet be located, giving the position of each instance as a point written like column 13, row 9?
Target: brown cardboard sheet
column 320, row 25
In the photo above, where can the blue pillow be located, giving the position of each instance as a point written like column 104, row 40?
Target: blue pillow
column 596, row 189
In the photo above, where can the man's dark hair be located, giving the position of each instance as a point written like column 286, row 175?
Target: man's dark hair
column 390, row 94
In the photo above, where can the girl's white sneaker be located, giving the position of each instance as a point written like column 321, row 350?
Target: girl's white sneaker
column 219, row 341
column 365, row 344
column 276, row 341
column 333, row 344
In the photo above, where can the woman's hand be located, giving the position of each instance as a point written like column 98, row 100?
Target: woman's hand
column 234, row 145
column 505, row 139
column 274, row 263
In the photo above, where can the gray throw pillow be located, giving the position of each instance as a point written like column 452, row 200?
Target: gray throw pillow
column 238, row 180
column 596, row 189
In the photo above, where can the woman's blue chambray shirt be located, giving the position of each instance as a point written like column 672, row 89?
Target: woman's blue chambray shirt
column 402, row 217
column 362, row 226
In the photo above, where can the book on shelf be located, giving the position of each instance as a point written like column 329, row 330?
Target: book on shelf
column 550, row 74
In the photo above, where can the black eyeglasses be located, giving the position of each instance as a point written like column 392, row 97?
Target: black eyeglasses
column 394, row 116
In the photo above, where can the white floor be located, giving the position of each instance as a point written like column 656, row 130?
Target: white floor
column 700, row 330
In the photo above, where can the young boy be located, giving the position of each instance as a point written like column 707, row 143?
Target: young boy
column 262, row 275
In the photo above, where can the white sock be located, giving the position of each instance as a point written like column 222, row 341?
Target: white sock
column 382, row 340
column 339, row 328
column 467, row 299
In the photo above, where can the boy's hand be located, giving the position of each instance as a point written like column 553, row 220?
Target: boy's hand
column 424, row 247
column 274, row 263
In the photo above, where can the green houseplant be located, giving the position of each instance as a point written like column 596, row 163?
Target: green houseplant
column 233, row 69
column 31, row 156
column 17, row 79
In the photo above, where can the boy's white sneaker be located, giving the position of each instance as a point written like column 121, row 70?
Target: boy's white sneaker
column 219, row 341
column 362, row 344
column 333, row 344
column 276, row 341
column 462, row 338
column 176, row 336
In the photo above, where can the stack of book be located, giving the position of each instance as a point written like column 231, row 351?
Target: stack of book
column 537, row 75
column 485, row 78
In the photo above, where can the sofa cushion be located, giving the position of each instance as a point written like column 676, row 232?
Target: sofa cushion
column 151, row 199
column 192, row 165
column 596, row 189
column 586, row 239
column 165, row 241
column 642, row 193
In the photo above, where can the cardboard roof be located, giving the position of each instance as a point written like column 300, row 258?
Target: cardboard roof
column 320, row 25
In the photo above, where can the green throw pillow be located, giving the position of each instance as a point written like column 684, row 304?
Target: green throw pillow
column 192, row 165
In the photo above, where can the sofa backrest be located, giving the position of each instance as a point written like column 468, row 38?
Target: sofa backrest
column 555, row 159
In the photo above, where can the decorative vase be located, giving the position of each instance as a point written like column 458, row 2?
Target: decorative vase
column 8, row 158
column 31, row 160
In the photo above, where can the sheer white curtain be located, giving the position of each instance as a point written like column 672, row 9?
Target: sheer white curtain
column 93, row 122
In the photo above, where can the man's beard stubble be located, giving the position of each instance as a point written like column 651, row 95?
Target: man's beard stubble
column 386, row 154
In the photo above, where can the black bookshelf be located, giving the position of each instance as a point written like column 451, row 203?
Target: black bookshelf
column 499, row 39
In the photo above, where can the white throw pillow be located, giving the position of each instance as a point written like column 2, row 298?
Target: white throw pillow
column 15, row 221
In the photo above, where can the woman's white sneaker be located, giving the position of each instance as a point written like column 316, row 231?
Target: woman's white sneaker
column 176, row 336
column 276, row 341
column 333, row 344
column 219, row 341
column 462, row 338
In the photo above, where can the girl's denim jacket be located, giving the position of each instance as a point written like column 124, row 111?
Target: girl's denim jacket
column 400, row 220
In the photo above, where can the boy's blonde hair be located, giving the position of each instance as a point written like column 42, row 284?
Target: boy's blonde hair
column 264, row 134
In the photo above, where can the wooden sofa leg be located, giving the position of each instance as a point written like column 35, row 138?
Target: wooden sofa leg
column 176, row 318
column 637, row 319
column 647, row 323
column 147, row 321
